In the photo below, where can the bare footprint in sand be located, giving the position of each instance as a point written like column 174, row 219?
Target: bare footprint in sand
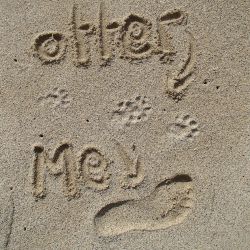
column 168, row 205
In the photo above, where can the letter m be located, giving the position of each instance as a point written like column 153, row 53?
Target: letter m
column 62, row 162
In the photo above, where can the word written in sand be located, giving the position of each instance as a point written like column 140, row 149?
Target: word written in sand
column 91, row 169
column 131, row 38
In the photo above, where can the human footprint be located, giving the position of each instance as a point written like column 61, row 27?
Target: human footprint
column 168, row 205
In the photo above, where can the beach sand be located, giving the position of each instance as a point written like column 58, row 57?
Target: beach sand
column 124, row 124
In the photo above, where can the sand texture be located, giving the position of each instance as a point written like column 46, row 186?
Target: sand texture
column 125, row 124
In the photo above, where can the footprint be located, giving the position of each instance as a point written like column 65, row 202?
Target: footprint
column 168, row 205
column 184, row 127
column 132, row 111
column 56, row 98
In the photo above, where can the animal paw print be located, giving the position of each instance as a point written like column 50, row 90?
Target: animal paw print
column 184, row 127
column 132, row 112
column 56, row 98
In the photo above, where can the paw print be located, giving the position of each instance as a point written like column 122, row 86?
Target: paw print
column 131, row 112
column 56, row 98
column 184, row 127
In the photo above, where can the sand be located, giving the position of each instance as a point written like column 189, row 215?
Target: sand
column 124, row 124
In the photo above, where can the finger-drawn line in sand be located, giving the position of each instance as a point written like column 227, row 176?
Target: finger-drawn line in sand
column 56, row 98
column 50, row 47
column 93, row 169
column 169, row 204
column 136, row 37
column 166, row 20
column 184, row 127
column 174, row 17
column 63, row 162
column 104, row 48
column 134, row 171
column 102, row 31
column 81, row 39
column 178, row 82
column 7, row 211
column 132, row 112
